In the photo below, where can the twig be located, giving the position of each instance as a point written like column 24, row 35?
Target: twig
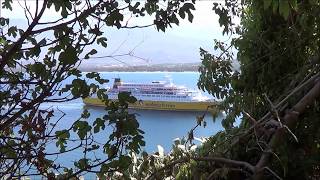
column 229, row 162
column 216, row 171
column 273, row 109
column 250, row 117
column 293, row 135
column 290, row 119
column 273, row 173
column 298, row 89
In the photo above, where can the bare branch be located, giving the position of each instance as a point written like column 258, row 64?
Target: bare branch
column 290, row 119
column 224, row 161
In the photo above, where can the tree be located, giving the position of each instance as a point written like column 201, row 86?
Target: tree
column 275, row 93
column 276, row 90
column 37, row 59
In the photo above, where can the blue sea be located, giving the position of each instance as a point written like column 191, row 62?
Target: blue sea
column 160, row 127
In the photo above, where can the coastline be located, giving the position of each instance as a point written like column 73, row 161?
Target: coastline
column 168, row 67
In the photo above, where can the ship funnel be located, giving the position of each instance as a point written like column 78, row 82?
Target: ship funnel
column 168, row 79
column 116, row 83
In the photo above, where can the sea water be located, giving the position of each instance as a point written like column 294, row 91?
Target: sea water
column 160, row 127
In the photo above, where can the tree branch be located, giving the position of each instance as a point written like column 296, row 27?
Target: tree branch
column 85, row 13
column 224, row 161
column 7, row 55
column 290, row 120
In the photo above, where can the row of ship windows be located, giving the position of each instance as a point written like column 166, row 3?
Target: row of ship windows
column 154, row 92
column 159, row 89
column 157, row 93
column 142, row 85
column 163, row 96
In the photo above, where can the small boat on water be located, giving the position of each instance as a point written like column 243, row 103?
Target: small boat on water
column 158, row 95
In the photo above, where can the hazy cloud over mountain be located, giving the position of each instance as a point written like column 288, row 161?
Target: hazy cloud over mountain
column 177, row 45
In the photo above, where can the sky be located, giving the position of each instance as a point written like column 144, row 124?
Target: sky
column 179, row 44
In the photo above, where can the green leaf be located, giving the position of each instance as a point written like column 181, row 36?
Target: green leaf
column 160, row 26
column 80, row 88
column 4, row 21
column 98, row 124
column 75, row 72
column 69, row 56
column 100, row 80
column 103, row 170
column 186, row 8
column 7, row 4
column 82, row 163
column 151, row 7
column 92, row 52
column 132, row 99
column 284, row 8
column 190, row 16
column 92, row 75
column 294, row 4
column 43, row 42
column 313, row 2
column 12, row 31
column 102, row 95
column 93, row 147
column 267, row 3
column 64, row 134
column 82, row 128
column 96, row 31
column 102, row 41
column 114, row 19
column 35, row 51
column 123, row 97
column 68, row 5
column 85, row 114
column 9, row 152
column 182, row 13
column 124, row 162
column 174, row 19
column 38, row 69
column 275, row 5
column 64, row 12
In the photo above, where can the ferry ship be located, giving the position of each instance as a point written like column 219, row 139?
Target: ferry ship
column 158, row 95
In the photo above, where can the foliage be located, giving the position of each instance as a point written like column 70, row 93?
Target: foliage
column 36, row 60
column 277, row 49
column 275, row 93
column 273, row 50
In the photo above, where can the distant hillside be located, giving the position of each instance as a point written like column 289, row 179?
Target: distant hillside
column 174, row 67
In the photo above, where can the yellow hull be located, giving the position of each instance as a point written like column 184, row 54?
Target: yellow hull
column 162, row 105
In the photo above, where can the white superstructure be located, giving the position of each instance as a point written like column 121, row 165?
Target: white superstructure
column 156, row 91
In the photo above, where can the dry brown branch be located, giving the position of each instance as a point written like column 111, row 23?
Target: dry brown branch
column 216, row 172
column 265, row 119
column 242, row 165
column 272, row 172
column 252, row 120
column 273, row 109
column 290, row 120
